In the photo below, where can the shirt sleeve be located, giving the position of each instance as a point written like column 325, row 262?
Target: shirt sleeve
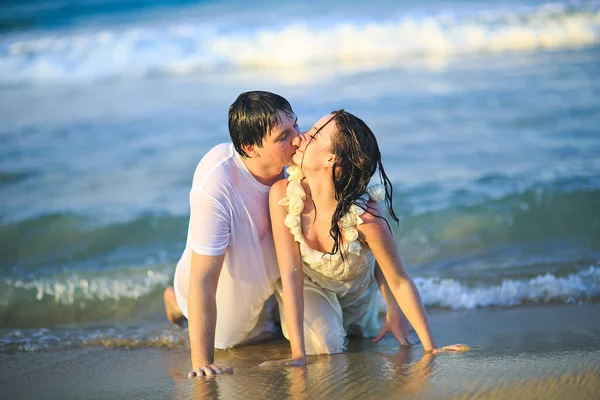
column 210, row 225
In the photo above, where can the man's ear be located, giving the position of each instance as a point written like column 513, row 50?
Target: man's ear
column 251, row 150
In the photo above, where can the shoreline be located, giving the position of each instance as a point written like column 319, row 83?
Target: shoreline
column 528, row 352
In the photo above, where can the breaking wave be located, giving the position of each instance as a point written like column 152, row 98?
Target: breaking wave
column 200, row 47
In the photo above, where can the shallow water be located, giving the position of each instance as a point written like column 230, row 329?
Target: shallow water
column 488, row 127
column 518, row 353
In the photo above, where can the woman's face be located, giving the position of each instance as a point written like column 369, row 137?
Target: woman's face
column 314, row 145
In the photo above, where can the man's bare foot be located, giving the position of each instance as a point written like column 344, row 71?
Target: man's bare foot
column 172, row 310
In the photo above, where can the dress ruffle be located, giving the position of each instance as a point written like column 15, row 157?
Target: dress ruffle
column 329, row 265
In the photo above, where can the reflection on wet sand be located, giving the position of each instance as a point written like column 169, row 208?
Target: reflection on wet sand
column 358, row 373
column 406, row 377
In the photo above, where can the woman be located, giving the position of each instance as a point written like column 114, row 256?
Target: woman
column 334, row 247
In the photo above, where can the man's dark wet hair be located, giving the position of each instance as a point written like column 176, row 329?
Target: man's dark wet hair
column 252, row 116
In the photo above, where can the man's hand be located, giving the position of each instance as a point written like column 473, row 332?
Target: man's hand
column 397, row 325
column 209, row 370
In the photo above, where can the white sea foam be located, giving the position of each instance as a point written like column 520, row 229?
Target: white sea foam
column 191, row 48
column 75, row 289
column 581, row 286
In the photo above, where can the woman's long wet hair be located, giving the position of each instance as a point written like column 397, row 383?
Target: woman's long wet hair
column 357, row 160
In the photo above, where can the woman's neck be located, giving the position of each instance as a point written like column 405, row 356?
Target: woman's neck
column 322, row 191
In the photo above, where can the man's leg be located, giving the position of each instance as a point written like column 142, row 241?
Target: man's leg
column 172, row 310
column 243, row 313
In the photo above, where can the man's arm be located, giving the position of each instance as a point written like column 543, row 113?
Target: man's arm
column 202, row 313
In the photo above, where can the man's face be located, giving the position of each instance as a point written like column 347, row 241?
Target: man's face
column 277, row 148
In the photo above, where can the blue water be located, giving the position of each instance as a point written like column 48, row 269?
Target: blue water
column 487, row 115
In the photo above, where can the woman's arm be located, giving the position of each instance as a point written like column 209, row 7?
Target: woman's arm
column 290, row 267
column 394, row 322
column 383, row 244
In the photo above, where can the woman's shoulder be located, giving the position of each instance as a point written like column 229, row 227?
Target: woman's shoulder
column 280, row 185
column 277, row 191
column 373, row 219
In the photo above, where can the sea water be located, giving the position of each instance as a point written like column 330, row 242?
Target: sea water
column 487, row 115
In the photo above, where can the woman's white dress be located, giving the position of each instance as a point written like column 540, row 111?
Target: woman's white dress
column 340, row 294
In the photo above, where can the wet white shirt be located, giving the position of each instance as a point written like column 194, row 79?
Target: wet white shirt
column 229, row 213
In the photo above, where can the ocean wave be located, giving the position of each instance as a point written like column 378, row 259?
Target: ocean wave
column 66, row 240
column 438, row 227
column 478, row 230
column 576, row 288
column 184, row 49
column 494, row 252
column 571, row 289
column 76, row 289
column 124, row 294
column 138, row 294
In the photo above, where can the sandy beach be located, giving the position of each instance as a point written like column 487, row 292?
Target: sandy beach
column 545, row 352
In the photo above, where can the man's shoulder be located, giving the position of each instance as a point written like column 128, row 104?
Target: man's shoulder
column 218, row 154
column 215, row 165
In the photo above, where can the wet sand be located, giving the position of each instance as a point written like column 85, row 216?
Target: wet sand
column 546, row 352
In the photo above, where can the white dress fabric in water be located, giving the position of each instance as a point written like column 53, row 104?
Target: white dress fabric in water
column 340, row 294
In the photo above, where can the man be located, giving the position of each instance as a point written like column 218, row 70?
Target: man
column 228, row 269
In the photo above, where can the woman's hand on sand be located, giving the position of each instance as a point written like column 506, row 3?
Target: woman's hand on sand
column 209, row 370
column 397, row 325
column 288, row 362
column 454, row 348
